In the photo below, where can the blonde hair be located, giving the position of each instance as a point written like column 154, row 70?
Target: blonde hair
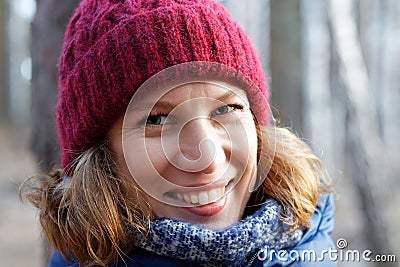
column 88, row 216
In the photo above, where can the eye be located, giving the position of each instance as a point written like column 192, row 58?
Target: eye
column 156, row 119
column 226, row 109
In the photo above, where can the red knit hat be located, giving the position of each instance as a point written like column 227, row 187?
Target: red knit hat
column 112, row 46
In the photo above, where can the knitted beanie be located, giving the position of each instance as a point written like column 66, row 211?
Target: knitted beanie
column 111, row 47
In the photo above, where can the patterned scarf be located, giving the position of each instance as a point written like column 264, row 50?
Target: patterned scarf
column 228, row 247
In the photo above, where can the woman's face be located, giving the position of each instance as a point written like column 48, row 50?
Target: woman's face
column 193, row 151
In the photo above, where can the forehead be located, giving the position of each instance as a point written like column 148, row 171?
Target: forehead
column 214, row 90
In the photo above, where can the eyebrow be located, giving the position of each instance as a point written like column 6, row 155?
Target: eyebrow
column 165, row 105
column 228, row 95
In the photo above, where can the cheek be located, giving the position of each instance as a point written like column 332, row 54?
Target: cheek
column 245, row 142
column 116, row 147
column 154, row 154
column 252, row 137
column 145, row 162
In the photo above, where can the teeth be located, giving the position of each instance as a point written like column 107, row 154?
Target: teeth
column 194, row 198
column 203, row 197
column 187, row 198
column 213, row 195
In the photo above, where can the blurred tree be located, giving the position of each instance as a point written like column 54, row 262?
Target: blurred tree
column 317, row 98
column 364, row 145
column 286, row 92
column 389, row 108
column 47, row 34
column 254, row 17
column 3, row 62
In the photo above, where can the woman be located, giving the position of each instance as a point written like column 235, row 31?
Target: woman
column 168, row 150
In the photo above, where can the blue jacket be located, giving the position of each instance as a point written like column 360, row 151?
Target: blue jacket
column 312, row 250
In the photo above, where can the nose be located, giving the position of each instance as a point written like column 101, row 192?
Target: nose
column 201, row 148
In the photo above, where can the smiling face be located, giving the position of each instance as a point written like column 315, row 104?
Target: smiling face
column 193, row 150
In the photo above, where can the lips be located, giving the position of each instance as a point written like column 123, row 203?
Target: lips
column 209, row 209
column 198, row 197
column 203, row 203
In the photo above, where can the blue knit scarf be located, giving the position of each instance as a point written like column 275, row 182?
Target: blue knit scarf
column 229, row 247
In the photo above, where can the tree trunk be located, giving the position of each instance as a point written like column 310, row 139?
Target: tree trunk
column 3, row 63
column 316, row 56
column 364, row 143
column 47, row 34
column 389, row 88
column 254, row 17
column 286, row 92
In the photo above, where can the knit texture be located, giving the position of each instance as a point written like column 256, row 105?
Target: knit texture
column 229, row 247
column 112, row 46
